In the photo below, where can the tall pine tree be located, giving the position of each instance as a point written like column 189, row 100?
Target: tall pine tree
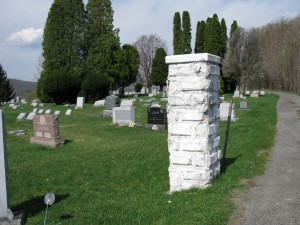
column 234, row 26
column 199, row 43
column 103, row 46
column 212, row 36
column 159, row 72
column 223, row 38
column 6, row 89
column 63, row 52
column 186, row 33
column 177, row 34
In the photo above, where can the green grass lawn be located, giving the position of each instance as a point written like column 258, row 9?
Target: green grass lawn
column 110, row 175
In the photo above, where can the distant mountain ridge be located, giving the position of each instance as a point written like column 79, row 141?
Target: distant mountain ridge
column 22, row 87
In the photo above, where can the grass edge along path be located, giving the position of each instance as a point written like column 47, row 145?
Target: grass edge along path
column 111, row 175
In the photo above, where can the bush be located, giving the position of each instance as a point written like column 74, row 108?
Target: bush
column 61, row 87
column 95, row 87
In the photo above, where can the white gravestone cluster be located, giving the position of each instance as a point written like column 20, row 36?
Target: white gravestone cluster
column 193, row 120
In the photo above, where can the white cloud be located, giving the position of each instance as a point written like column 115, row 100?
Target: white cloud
column 27, row 36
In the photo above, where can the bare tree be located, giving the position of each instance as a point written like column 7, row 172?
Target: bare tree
column 147, row 46
column 281, row 54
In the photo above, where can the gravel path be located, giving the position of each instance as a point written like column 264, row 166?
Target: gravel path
column 274, row 198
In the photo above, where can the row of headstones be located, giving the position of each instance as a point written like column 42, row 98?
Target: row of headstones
column 253, row 94
column 124, row 114
column 29, row 116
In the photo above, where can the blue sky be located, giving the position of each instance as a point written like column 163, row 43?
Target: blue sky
column 22, row 23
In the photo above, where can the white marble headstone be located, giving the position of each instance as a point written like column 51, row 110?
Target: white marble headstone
column 68, row 112
column 80, row 102
column 4, row 196
column 21, row 116
column 30, row 116
column 123, row 115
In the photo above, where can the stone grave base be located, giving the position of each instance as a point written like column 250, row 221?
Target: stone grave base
column 159, row 126
column 18, row 219
column 108, row 113
column 233, row 119
column 49, row 143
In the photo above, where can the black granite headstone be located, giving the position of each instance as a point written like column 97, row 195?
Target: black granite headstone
column 157, row 116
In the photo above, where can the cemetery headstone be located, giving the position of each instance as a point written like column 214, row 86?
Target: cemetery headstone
column 34, row 104
column 68, row 112
column 236, row 94
column 112, row 101
column 262, row 93
column 21, row 116
column 193, row 120
column 123, row 116
column 143, row 90
column 126, row 103
column 155, row 104
column 254, row 95
column 154, row 92
column 244, row 105
column 30, row 116
column 48, row 111
column 6, row 216
column 41, row 111
column 57, row 112
column 4, row 195
column 17, row 132
column 46, row 131
column 157, row 116
column 35, row 110
column 247, row 92
column 224, row 110
column 99, row 103
column 79, row 103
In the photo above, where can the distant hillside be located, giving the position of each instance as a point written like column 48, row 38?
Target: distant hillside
column 22, row 87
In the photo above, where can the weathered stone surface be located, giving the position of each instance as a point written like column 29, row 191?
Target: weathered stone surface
column 193, row 120
column 46, row 131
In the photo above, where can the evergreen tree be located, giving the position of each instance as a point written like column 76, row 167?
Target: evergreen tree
column 199, row 43
column 234, row 26
column 212, row 36
column 223, row 38
column 63, row 51
column 128, row 65
column 6, row 89
column 159, row 72
column 177, row 34
column 186, row 33
column 103, row 44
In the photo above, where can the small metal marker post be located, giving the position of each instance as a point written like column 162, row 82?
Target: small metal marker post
column 227, row 131
column 49, row 200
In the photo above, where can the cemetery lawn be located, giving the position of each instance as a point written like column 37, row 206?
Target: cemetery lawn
column 119, row 175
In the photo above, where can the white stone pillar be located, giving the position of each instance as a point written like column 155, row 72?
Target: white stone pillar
column 193, row 120
column 4, row 197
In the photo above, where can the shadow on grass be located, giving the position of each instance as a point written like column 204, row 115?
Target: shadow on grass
column 36, row 205
column 225, row 163
column 68, row 142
